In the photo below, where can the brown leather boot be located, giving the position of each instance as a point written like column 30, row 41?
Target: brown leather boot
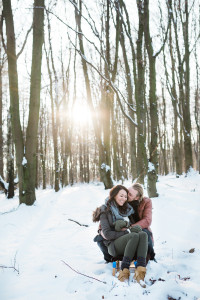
column 140, row 273
column 124, row 275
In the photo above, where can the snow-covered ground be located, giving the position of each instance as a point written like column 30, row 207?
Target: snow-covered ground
column 56, row 258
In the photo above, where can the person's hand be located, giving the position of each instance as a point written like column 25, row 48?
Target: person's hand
column 123, row 229
column 136, row 228
column 119, row 224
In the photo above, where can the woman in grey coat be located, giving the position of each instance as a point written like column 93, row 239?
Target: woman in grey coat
column 122, row 240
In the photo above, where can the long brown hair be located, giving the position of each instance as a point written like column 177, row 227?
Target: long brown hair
column 113, row 193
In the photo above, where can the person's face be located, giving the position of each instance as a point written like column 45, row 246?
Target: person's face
column 132, row 194
column 121, row 197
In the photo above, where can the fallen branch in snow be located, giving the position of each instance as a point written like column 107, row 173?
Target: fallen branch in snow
column 155, row 280
column 113, row 287
column 6, row 267
column 12, row 267
column 82, row 273
column 78, row 223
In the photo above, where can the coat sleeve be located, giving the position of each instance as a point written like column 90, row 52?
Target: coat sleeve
column 146, row 218
column 108, row 233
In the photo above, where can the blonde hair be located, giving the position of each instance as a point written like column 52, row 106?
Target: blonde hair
column 140, row 192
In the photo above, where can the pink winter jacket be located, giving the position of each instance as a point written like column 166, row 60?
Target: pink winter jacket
column 145, row 213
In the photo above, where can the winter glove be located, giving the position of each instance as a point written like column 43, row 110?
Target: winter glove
column 119, row 224
column 136, row 228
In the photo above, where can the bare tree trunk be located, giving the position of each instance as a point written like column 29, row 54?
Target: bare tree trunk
column 153, row 159
column 10, row 161
column 186, row 101
column 164, row 149
column 25, row 156
column 140, row 99
column 43, row 146
column 197, row 111
column 115, row 145
column 1, row 120
column 184, row 80
column 174, row 103
column 54, row 114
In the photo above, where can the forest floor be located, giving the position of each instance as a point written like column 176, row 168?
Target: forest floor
column 44, row 254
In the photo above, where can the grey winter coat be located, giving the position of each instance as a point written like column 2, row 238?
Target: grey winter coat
column 108, row 230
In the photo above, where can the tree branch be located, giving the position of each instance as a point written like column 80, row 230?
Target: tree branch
column 78, row 223
column 166, row 34
column 20, row 52
column 82, row 273
column 115, row 89
column 11, row 267
column 1, row 32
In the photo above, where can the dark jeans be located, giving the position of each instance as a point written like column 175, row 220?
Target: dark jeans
column 99, row 239
column 150, row 253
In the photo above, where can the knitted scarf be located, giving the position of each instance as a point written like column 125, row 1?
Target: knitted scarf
column 116, row 214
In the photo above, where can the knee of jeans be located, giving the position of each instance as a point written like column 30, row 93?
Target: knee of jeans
column 143, row 234
column 134, row 235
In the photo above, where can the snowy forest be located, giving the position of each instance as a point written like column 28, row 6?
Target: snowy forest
column 97, row 91
column 95, row 94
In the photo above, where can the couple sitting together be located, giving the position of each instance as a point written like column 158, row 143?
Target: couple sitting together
column 124, row 229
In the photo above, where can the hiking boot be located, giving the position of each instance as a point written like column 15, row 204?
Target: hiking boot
column 140, row 273
column 124, row 275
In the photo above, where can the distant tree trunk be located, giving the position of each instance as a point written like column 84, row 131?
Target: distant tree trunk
column 106, row 91
column 197, row 120
column 54, row 109
column 186, row 101
column 25, row 151
column 10, row 161
column 1, row 120
column 184, row 79
column 197, row 111
column 81, row 153
column 43, row 141
column 86, row 161
column 67, row 129
column 37, row 165
column 171, row 86
column 115, row 145
column 175, row 105
column 164, row 136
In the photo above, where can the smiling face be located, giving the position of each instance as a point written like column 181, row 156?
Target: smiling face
column 121, row 197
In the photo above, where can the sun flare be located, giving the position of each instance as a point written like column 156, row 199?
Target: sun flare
column 81, row 114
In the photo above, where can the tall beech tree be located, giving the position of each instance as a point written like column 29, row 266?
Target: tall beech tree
column 153, row 157
column 25, row 147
